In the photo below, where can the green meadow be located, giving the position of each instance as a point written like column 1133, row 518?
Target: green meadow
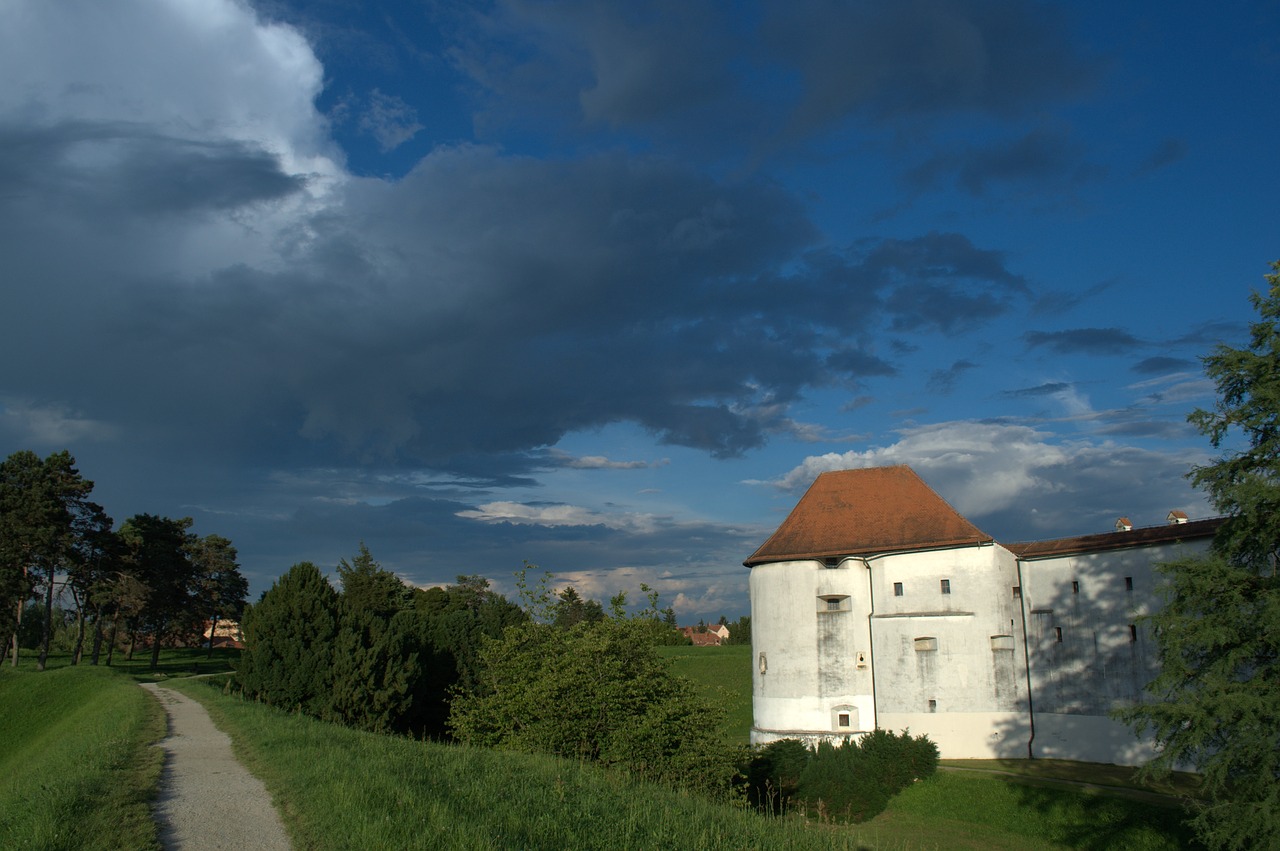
column 80, row 771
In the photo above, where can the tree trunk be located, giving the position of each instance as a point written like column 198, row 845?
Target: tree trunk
column 46, row 631
column 78, row 650
column 133, row 640
column 115, row 629
column 17, row 627
column 213, row 628
column 155, row 649
column 97, row 637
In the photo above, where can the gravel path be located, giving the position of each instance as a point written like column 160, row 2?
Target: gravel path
column 208, row 800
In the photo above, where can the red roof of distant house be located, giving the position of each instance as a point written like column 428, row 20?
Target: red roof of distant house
column 860, row 512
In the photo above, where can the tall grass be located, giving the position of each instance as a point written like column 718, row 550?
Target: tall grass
column 76, row 766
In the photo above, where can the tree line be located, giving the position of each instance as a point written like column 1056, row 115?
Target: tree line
column 554, row 674
column 151, row 579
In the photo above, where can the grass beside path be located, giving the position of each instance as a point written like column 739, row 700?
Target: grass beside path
column 339, row 788
column 77, row 769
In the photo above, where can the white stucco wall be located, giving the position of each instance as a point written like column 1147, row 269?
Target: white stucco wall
column 816, row 661
column 1089, row 652
column 951, row 665
column 954, row 666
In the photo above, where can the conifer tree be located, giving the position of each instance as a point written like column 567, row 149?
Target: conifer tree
column 289, row 639
column 1216, row 701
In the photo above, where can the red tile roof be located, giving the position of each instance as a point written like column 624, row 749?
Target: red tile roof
column 861, row 512
column 1146, row 536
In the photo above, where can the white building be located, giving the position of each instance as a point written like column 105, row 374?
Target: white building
column 876, row 604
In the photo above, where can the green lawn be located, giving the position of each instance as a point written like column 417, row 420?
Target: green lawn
column 724, row 675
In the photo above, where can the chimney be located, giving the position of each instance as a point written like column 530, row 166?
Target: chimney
column 1123, row 525
column 1175, row 517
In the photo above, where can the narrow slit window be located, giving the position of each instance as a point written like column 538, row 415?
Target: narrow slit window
column 1057, row 634
column 1075, row 587
column 1133, row 632
column 897, row 589
column 1128, row 583
column 946, row 586
column 1017, row 592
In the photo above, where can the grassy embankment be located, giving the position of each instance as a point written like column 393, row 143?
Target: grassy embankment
column 73, row 749
column 76, row 762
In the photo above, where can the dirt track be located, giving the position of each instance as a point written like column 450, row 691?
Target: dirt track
column 208, row 801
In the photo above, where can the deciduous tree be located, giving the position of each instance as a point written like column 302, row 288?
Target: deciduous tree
column 46, row 525
column 220, row 587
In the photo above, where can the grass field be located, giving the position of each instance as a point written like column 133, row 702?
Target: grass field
column 79, row 773
column 724, row 676
column 76, row 760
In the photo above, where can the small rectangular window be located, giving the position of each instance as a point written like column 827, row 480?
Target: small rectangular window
column 1057, row 634
column 1017, row 592
column 897, row 589
column 926, row 644
column 946, row 586
column 844, row 719
column 1075, row 587
column 1128, row 583
column 1133, row 632
column 933, row 705
column 833, row 604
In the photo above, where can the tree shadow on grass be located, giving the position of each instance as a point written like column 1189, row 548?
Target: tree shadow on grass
column 1092, row 819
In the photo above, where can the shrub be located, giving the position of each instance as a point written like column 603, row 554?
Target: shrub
column 597, row 692
column 773, row 774
column 852, row 781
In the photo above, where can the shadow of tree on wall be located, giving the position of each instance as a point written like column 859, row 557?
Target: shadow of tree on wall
column 1089, row 653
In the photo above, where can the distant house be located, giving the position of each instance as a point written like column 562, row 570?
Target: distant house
column 877, row 605
column 706, row 636
column 227, row 634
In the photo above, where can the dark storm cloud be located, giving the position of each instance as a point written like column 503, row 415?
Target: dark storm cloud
column 944, row 380
column 130, row 169
column 485, row 306
column 1089, row 341
column 1038, row 156
column 894, row 60
column 1161, row 365
column 739, row 73
column 1047, row 389
column 941, row 281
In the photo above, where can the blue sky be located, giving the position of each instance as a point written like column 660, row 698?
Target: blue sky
column 604, row 286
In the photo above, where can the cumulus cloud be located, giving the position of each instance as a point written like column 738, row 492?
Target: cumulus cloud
column 1018, row 480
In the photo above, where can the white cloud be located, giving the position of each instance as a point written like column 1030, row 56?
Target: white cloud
column 558, row 515
column 1026, row 480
